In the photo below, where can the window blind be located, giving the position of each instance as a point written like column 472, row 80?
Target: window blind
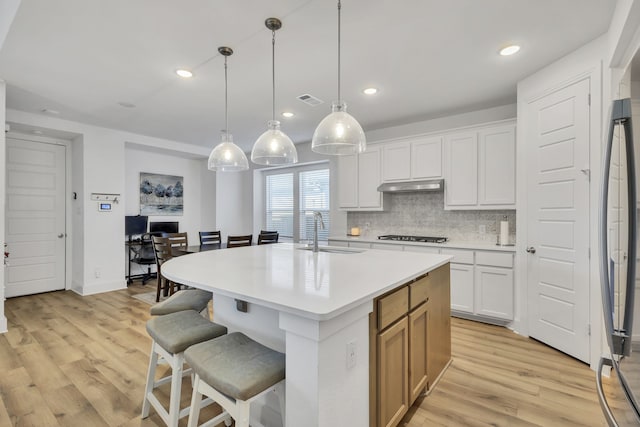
column 279, row 204
column 314, row 195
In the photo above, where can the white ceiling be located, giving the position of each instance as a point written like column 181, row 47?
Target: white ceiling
column 428, row 58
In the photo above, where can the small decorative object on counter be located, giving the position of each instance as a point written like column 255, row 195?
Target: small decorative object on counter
column 355, row 231
column 504, row 232
column 6, row 255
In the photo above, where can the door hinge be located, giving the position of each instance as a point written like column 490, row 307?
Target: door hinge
column 589, row 329
column 589, row 99
column 589, row 253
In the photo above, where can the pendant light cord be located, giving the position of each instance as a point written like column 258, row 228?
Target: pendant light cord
column 339, row 8
column 226, row 99
column 273, row 75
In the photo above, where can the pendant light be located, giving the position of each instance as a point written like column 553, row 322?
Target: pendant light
column 273, row 147
column 339, row 133
column 227, row 156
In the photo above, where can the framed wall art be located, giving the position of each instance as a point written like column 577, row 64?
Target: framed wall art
column 161, row 194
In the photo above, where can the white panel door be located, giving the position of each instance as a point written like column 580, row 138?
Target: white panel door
column 461, row 169
column 35, row 217
column 557, row 144
column 348, row 181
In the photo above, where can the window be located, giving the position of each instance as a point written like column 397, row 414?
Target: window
column 291, row 197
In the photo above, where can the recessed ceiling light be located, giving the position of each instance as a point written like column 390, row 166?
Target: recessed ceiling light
column 370, row 91
column 287, row 114
column 49, row 111
column 184, row 73
column 509, row 50
column 126, row 104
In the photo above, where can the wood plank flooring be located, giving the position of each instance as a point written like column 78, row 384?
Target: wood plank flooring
column 69, row 360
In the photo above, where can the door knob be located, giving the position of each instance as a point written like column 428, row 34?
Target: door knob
column 531, row 250
column 60, row 236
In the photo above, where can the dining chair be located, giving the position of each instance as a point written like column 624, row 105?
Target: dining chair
column 178, row 240
column 237, row 241
column 210, row 237
column 266, row 237
column 162, row 250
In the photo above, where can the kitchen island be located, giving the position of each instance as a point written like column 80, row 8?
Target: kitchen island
column 315, row 307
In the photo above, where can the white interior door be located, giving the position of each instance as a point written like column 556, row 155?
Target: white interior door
column 557, row 144
column 35, row 217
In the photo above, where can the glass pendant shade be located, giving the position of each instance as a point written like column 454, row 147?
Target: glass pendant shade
column 227, row 156
column 339, row 133
column 274, row 147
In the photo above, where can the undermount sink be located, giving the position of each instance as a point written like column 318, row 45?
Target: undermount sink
column 333, row 250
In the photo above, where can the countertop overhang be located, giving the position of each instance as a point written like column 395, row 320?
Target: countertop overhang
column 315, row 285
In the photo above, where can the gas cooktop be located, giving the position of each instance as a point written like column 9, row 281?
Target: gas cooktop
column 426, row 239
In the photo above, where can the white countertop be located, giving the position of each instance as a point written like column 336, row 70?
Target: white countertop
column 484, row 246
column 318, row 286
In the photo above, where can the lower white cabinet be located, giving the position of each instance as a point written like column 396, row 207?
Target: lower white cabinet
column 494, row 292
column 462, row 287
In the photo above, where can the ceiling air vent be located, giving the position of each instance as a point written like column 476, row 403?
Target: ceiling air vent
column 310, row 100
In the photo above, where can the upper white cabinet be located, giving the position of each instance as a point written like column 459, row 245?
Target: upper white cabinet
column 414, row 159
column 358, row 180
column 479, row 168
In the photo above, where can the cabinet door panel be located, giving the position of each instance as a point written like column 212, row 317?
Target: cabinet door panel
column 396, row 162
column 494, row 292
column 418, row 329
column 348, row 181
column 497, row 159
column 426, row 158
column 462, row 287
column 369, row 179
column 461, row 169
column 393, row 374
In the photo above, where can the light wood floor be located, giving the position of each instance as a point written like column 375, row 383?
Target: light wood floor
column 81, row 361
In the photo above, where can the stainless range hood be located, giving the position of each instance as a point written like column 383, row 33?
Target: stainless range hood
column 412, row 186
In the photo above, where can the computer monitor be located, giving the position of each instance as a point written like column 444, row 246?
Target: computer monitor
column 135, row 225
column 165, row 227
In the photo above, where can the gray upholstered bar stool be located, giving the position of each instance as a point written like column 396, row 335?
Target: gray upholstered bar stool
column 172, row 334
column 186, row 299
column 234, row 370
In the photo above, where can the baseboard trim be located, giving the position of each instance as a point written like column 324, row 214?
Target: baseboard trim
column 3, row 325
column 97, row 288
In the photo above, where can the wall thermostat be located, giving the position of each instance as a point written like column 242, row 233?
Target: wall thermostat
column 104, row 207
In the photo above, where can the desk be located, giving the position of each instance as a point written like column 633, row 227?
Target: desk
column 312, row 306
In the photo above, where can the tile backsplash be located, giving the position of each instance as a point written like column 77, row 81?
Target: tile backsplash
column 423, row 214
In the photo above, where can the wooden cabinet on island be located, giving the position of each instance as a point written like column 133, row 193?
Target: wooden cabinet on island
column 409, row 345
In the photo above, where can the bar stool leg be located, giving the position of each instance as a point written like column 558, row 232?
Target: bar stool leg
column 176, row 387
column 196, row 397
column 243, row 408
column 151, row 373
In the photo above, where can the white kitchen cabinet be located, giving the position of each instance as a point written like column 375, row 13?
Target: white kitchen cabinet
column 425, row 249
column 462, row 288
column 426, row 158
column 360, row 245
column 497, row 166
column 461, row 169
column 494, row 292
column 414, row 159
column 479, row 168
column 358, row 179
column 386, row 246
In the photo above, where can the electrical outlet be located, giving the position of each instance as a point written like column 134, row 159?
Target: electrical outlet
column 351, row 355
column 97, row 273
column 482, row 229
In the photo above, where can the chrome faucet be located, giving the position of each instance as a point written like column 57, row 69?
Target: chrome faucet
column 316, row 215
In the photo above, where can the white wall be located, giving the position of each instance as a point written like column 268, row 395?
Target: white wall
column 138, row 160
column 3, row 319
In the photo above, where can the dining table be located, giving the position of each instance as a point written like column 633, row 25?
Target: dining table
column 194, row 249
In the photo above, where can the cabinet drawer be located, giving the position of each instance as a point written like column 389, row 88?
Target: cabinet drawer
column 419, row 292
column 386, row 246
column 496, row 259
column 426, row 249
column 392, row 307
column 360, row 245
column 459, row 256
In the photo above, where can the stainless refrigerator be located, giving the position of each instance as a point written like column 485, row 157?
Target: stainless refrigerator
column 618, row 243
